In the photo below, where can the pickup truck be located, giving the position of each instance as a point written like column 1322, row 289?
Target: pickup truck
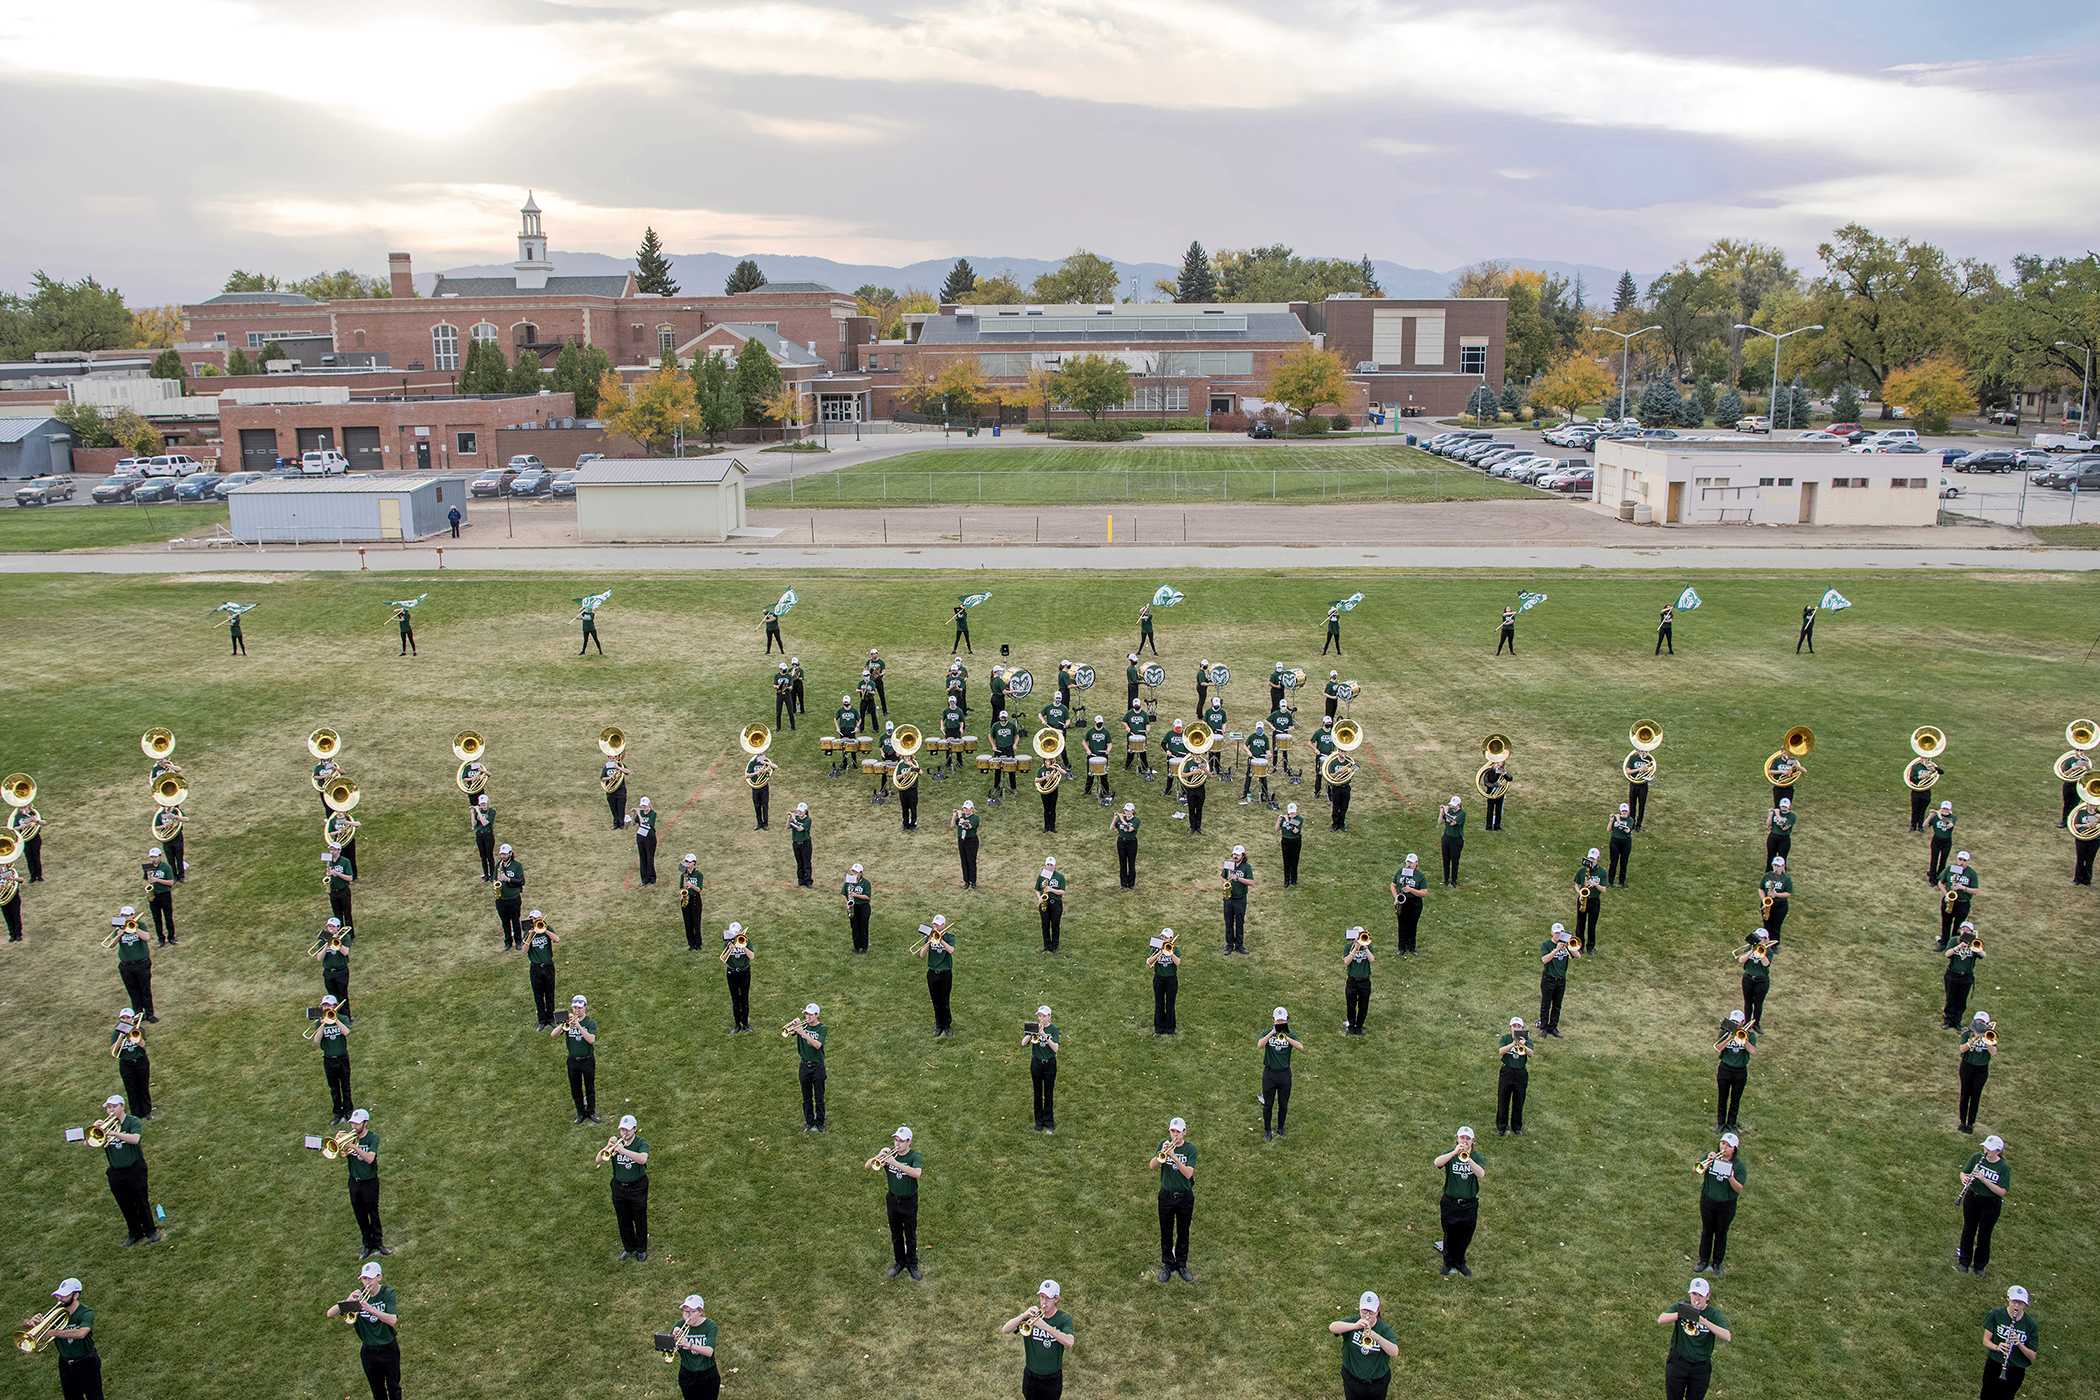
column 2066, row 442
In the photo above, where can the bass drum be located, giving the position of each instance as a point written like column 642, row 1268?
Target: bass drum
column 1020, row 685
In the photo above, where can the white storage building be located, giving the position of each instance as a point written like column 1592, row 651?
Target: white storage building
column 660, row 498
column 1759, row 481
column 331, row 509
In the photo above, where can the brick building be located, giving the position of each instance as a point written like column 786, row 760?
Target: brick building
column 1416, row 354
column 378, row 435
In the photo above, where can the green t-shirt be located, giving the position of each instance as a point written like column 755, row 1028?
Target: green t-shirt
column 804, row 1051
column 362, row 1170
column 2001, row 1325
column 1003, row 737
column 1276, row 1052
column 125, row 1154
column 579, row 1048
column 1133, row 821
column 1098, row 741
column 339, row 879
column 626, row 1168
column 798, row 832
column 1214, row 716
column 1731, row 1056
column 1054, row 884
column 1961, row 965
column 1557, row 970
column 589, row 620
column 704, row 1333
column 966, row 826
column 81, row 1316
column 1755, row 971
column 1043, row 1054
column 1358, row 969
column 951, row 723
column 1459, row 1181
column 1405, row 880
column 1172, row 1181
column 1586, row 872
column 900, row 1183
column 1135, row 724
column 510, row 879
column 130, row 1053
column 857, row 885
column 1779, row 884
column 1622, row 831
column 1979, row 1055
column 1364, row 1358
column 1281, row 721
column 939, row 961
column 1044, row 1356
column 335, row 1041
column 1511, row 1059
column 335, row 959
column 1942, row 826
column 1688, row 1340
column 1454, row 825
column 132, row 947
column 846, row 720
column 1170, row 971
column 1714, row 1187
column 1783, row 824
column 1055, row 716
column 1258, row 744
column 1291, row 829
column 1237, row 894
column 1999, row 1172
column 370, row 1330
column 539, row 950
column 1960, row 882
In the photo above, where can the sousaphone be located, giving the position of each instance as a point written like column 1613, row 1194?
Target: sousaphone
column 157, row 744
column 1640, row 764
column 1348, row 736
column 1797, row 743
column 324, row 744
column 18, row 789
column 612, row 741
column 1048, row 743
column 1927, row 743
column 342, row 793
column 469, row 747
column 907, row 740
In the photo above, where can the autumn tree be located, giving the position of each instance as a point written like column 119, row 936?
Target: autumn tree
column 156, row 327
column 785, row 408
column 652, row 269
column 1197, row 282
column 1305, row 378
column 1081, row 278
column 1092, row 384
column 1932, row 391
column 653, row 411
column 1573, row 380
column 1885, row 303
column 744, row 277
column 1001, row 290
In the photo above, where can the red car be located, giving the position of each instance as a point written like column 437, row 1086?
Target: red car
column 1850, row 432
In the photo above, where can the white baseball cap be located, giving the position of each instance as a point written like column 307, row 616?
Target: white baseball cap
column 1413, row 859
column 1736, row 1017
column 333, row 922
column 1560, row 933
column 1516, row 1020
column 1731, row 1139
column 127, row 1014
column 1279, row 1014
column 504, row 849
column 358, row 1115
column 691, row 858
column 811, row 1010
column 325, row 1001
column 1465, row 1132
column 1762, row 935
column 627, row 1120
column 579, row 1000
column 802, row 806
column 734, row 928
column 1701, row 1287
column 1166, row 933
column 1049, row 860
column 856, row 868
column 796, row 659
column 1130, row 806
column 1593, row 853
column 1239, row 850
column 1961, row 857
column 1786, row 802
column 1980, row 1019
column 2016, row 1294
column 1290, row 808
column 1994, row 1143
column 1175, row 1125
column 1454, row 800
column 369, row 1271
column 127, row 911
column 969, row 806
column 1049, row 1289
column 1778, row 862
column 643, row 803
column 153, row 851
column 1946, row 806
column 535, row 914
column 113, row 1099
column 1369, row 1301
column 695, row 1302
column 902, row 1132
column 482, row 800
column 1042, row 1011
column 1624, row 808
column 66, row 1289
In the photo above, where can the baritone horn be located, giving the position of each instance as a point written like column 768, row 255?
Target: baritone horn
column 324, row 744
column 19, row 789
column 157, row 743
column 1348, row 735
column 754, row 739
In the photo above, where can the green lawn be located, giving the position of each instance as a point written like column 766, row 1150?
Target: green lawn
column 2068, row 536
column 1091, row 475
column 1838, row 1281
column 98, row 527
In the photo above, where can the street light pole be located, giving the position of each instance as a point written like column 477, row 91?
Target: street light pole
column 1626, row 339
column 1772, row 404
column 2085, row 386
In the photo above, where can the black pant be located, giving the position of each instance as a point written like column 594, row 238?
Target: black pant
column 1050, row 811
column 783, row 708
column 908, row 808
column 1053, row 921
column 1460, row 1216
column 1408, row 921
column 1334, row 639
column 1686, row 1380
column 2082, row 861
column 583, row 1083
column 630, row 1201
column 383, row 1364
column 803, row 852
column 857, row 923
column 1936, row 856
column 542, row 978
column 1777, row 845
column 645, row 855
column 455, row 529
column 1452, row 851
column 740, row 999
column 1236, row 925
column 1126, row 864
column 1493, row 820
column 1146, row 639
column 485, row 847
column 1957, row 998
column 1806, row 639
column 812, row 1076
column 408, row 640
column 1197, row 797
column 1176, row 1209
column 1551, row 991
column 1585, row 925
column 2070, row 800
column 175, row 848
column 801, row 700
column 12, row 913
column 616, row 803
column 138, row 984
column 364, row 1204
column 1777, row 923
column 1338, row 797
column 1663, row 639
column 1621, row 853
column 1356, row 1001
column 507, row 915
column 1165, row 992
column 1291, row 851
column 700, row 1385
column 961, row 642
column 336, row 1069
column 1754, row 997
column 1356, row 1389
column 1035, row 1387
column 1728, row 1093
column 80, row 1377
column 774, row 639
column 1972, row 1080
column 339, row 907
column 128, row 1185
column 967, row 849
column 240, row 646
column 1275, row 1094
column 1919, row 798
column 689, row 920
column 938, row 986
column 1951, row 919
column 1996, row 1389
column 33, row 857
column 882, row 696
column 1637, row 803
column 138, row 1084
column 590, row 638
column 1042, row 1084
column 1979, row 1216
column 1507, row 637
column 1714, row 1219
column 904, row 1229
column 162, row 905
column 1511, row 1085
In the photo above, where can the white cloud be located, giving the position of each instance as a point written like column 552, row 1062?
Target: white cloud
column 1395, row 146
column 816, row 131
column 1513, row 172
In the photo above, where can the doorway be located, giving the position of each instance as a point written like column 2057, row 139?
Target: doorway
column 1674, row 511
column 422, row 454
column 390, row 517
column 1808, row 503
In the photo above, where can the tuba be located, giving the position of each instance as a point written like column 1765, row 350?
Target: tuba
column 1052, row 772
column 2084, row 821
column 1646, row 736
column 324, row 744
column 2080, row 734
column 341, row 793
column 906, row 776
column 1348, row 735
column 157, row 743
column 1048, row 743
column 470, row 783
column 166, row 824
column 612, row 741
column 170, row 790
column 754, row 739
column 1639, row 765
column 1927, row 741
column 1338, row 768
column 10, row 848
column 2071, row 765
column 468, row 746
column 1191, row 770
column 1198, row 737
column 19, row 789
column 1797, row 744
column 907, row 740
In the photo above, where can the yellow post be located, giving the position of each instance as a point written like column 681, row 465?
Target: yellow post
column 1111, row 529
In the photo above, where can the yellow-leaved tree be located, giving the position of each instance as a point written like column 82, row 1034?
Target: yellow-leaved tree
column 1571, row 381
column 156, row 327
column 652, row 411
column 1306, row 378
column 1932, row 391
column 785, row 408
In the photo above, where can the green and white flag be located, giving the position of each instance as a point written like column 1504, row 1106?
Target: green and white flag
column 971, row 600
column 1834, row 601
column 233, row 609
column 408, row 602
column 1688, row 600
column 1527, row 601
column 787, row 601
column 1166, row 597
column 1349, row 603
column 594, row 602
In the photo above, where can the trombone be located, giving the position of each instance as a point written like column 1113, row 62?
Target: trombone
column 927, row 933
column 130, row 1040
column 98, row 1133
column 1737, row 1037
column 328, row 1017
column 36, row 1330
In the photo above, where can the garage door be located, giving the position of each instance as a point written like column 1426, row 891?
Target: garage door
column 316, row 439
column 361, row 446
column 258, row 449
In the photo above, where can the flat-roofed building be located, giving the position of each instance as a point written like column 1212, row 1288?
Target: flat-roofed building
column 1757, row 481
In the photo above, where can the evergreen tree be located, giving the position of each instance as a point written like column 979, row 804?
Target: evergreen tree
column 1729, row 408
column 1512, row 401
column 1198, row 281
column 167, row 364
column 1483, row 404
column 745, row 277
column 1627, row 296
column 652, row 270
column 1576, row 305
column 527, row 376
column 960, row 282
column 1371, row 287
column 715, row 390
column 1844, row 406
column 1659, row 404
column 1699, row 406
column 757, row 379
column 237, row 362
column 1798, row 409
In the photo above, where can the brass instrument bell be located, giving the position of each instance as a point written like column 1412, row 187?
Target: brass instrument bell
column 10, row 847
column 2082, row 734
column 754, row 739
column 1048, row 743
column 170, row 790
column 907, row 740
column 1800, row 741
column 612, row 741
column 157, row 743
column 1495, row 748
column 1927, row 741
column 342, row 793
column 19, row 789
column 1348, row 735
column 1646, row 736
column 324, row 744
column 467, row 746
column 1198, row 737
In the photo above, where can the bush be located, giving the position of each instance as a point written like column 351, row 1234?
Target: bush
column 1341, row 422
column 1107, row 430
column 1315, row 426
column 1230, row 422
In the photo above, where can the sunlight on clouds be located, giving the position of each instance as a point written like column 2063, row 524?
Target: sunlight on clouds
column 1394, row 146
column 816, row 131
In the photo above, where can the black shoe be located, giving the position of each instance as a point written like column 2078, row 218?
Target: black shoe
column 916, row 1276
column 1518, row 1131
column 1267, row 1135
column 1166, row 1275
column 594, row 1117
column 383, row 1252
column 893, row 1270
column 625, row 1255
column 1501, row 1132
column 1186, row 1276
column 1464, row 1271
column 1700, row 1267
column 135, row 1239
column 580, row 1118
column 364, row 1254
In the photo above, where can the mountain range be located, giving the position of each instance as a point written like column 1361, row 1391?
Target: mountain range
column 702, row 274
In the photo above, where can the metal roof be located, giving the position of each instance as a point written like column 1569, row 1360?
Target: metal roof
column 21, row 429
column 660, row 471
column 338, row 485
column 788, row 287
column 612, row 285
column 260, row 299
column 793, row 352
column 1254, row 327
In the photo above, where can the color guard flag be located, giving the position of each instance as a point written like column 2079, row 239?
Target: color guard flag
column 1349, row 603
column 1527, row 601
column 233, row 609
column 971, row 600
column 1687, row 600
column 1834, row 601
column 408, row 602
column 594, row 602
column 1167, row 597
column 787, row 601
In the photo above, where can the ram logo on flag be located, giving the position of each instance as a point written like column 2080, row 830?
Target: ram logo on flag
column 1688, row 600
column 1834, row 601
column 1527, row 601
column 1167, row 596
column 1349, row 603
column 971, row 600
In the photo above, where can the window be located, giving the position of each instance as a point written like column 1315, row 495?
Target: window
column 483, row 332
column 444, row 347
column 1764, row 481
column 1205, row 364
column 1908, row 483
column 1786, row 481
column 666, row 346
column 1472, row 359
column 258, row 339
column 525, row 333
column 358, row 339
column 464, row 444
column 1839, row 483
column 1146, row 398
column 1003, row 364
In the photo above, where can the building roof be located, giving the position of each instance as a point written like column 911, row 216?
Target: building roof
column 661, row 471
column 260, row 299
column 786, row 351
column 1254, row 323
column 378, row 483
column 20, row 429
column 611, row 285
column 788, row 287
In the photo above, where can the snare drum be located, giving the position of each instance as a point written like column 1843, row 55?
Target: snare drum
column 969, row 743
column 1136, row 743
column 873, row 765
column 1258, row 766
column 1096, row 763
column 829, row 743
column 986, row 763
column 864, row 744
column 1283, row 743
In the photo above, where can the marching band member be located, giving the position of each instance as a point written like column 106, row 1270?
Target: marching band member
column 1498, row 783
column 510, row 895
column 1506, row 635
column 799, row 824
column 809, row 1030
column 2010, row 1341
column 1942, row 825
column 801, row 692
column 1975, row 1052
column 1984, row 1184
column 698, row 1376
column 1257, row 758
column 1408, row 889
column 865, row 709
column 1589, row 900
column 1722, row 1177
column 1005, row 734
column 1202, row 684
column 408, row 632
column 901, row 1166
column 952, row 732
column 1097, row 742
column 1176, row 1163
column 1276, row 1045
column 127, row 1173
column 1334, row 632
column 1663, row 636
column 1778, row 887
column 1368, row 1348
column 341, row 832
column 998, row 689
column 1960, row 977
column 1137, row 749
column 736, row 970
column 1356, row 980
column 1737, row 1044
column 1281, row 721
column 783, row 696
column 28, row 825
column 1958, row 885
column 1046, row 1335
column 858, row 892
column 1064, row 683
column 1332, row 693
column 483, row 819
column 939, row 952
column 1756, row 959
column 1323, row 745
column 1214, row 716
column 134, row 962
column 1044, row 1043
column 1290, row 837
column 692, row 886
column 1779, row 830
column 966, row 821
column 1555, row 955
column 11, row 902
column 79, row 1364
column 375, row 1310
column 616, row 797
column 1621, row 844
column 133, row 1065
column 644, row 822
column 324, row 770
column 1637, row 787
column 338, row 877
column 1807, row 638
column 1195, row 797
column 539, row 970
column 1783, row 763
column 332, row 1039
column 363, row 1158
column 178, row 839
column 1173, row 748
column 1694, row 1326
column 773, row 637
column 1050, row 902
column 908, row 804
column 1238, row 875
column 581, row 1033
column 1452, row 819
column 1131, row 677
column 239, row 645
column 160, row 896
column 959, row 686
column 1049, row 797
column 1513, row 1080
column 1125, row 826
column 962, row 632
column 1145, row 637
column 1166, row 983
column 876, row 668
column 588, row 616
column 630, row 1190
column 1459, row 1207
column 1277, row 688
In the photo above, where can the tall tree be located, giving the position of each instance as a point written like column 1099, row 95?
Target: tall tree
column 2040, row 332
column 1275, row 273
column 1082, row 278
column 744, row 277
column 1743, row 273
column 1886, row 303
column 237, row 362
column 652, row 269
column 1093, row 384
column 1659, row 403
column 240, row 281
column 653, row 412
column 61, row 315
column 1369, row 275
column 578, row 370
column 1686, row 304
column 959, row 281
column 1306, row 378
column 1626, row 295
column 994, row 291
column 485, row 371
column 1728, row 408
column 757, row 378
column 715, row 395
column 527, row 375
column 1197, row 282
column 1483, row 404
column 1844, row 405
column 1573, row 380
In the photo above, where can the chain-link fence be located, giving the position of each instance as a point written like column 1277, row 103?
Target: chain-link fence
column 2018, row 502
column 877, row 487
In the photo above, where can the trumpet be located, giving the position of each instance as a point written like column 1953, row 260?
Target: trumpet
column 36, row 1330
column 605, row 1153
column 1030, row 1318
column 1166, row 1154
column 881, row 1161
column 99, row 1133
column 792, row 1029
column 336, row 1146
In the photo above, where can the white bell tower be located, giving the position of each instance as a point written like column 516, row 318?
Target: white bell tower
column 532, row 265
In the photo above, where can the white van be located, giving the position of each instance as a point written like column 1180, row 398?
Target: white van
column 169, row 464
column 327, row 462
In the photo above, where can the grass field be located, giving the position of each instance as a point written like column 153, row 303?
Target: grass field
column 1100, row 474
column 98, row 527
column 1838, row 1281
column 2068, row 536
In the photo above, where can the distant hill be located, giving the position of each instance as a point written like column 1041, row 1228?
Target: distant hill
column 702, row 274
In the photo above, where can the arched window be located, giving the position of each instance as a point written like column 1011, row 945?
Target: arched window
column 444, row 347
column 484, row 331
column 666, row 343
column 525, row 333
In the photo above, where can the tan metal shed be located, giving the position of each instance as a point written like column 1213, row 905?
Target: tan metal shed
column 660, row 498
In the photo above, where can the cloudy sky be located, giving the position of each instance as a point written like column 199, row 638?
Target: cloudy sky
column 157, row 145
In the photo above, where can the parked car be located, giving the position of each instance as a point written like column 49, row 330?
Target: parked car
column 1663, row 434
column 325, row 462
column 1260, row 429
column 1990, row 459
column 1753, row 425
column 524, row 461
column 563, row 485
column 532, row 481
column 129, row 466
column 1850, row 432
column 496, row 481
column 584, row 459
column 2005, row 417
column 2082, row 472
column 116, row 490
column 1575, row 482
column 1948, row 490
column 45, row 490
column 1473, row 452
column 201, row 486
column 1488, row 459
column 235, row 479
column 2066, row 442
column 1891, row 437
column 170, row 464
column 154, row 489
column 1818, row 435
